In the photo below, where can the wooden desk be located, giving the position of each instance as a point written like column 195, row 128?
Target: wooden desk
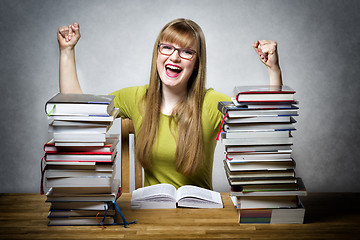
column 328, row 216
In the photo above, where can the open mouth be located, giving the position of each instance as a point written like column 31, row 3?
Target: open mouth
column 172, row 70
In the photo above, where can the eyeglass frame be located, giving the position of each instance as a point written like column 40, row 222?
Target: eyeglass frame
column 177, row 49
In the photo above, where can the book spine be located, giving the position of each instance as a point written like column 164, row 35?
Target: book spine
column 222, row 107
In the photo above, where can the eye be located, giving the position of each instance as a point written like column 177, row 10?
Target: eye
column 167, row 47
column 188, row 51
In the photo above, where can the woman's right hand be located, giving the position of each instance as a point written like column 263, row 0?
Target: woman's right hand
column 68, row 36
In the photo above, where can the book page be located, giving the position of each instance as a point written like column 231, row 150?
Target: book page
column 196, row 192
column 155, row 192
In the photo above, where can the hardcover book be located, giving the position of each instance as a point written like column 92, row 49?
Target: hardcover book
column 244, row 111
column 273, row 216
column 266, row 93
column 80, row 104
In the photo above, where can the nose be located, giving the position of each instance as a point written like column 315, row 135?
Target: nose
column 175, row 57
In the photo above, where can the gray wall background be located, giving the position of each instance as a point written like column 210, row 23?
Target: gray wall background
column 319, row 56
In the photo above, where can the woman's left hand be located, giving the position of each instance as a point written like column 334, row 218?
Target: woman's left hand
column 267, row 52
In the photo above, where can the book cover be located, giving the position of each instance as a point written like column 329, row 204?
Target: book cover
column 273, row 216
column 79, row 104
column 256, row 166
column 259, row 148
column 274, row 191
column 259, row 126
column 52, row 196
column 265, row 93
column 81, row 221
column 108, row 146
column 245, row 111
column 79, row 182
column 86, row 118
column 259, row 119
column 264, row 202
column 81, row 157
column 255, row 140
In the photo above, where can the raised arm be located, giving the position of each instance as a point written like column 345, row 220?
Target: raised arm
column 68, row 36
column 267, row 52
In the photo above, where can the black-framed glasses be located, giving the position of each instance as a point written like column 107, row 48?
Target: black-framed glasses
column 168, row 49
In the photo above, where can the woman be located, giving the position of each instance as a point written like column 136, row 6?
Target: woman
column 175, row 117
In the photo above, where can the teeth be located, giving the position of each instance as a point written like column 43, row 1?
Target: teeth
column 173, row 67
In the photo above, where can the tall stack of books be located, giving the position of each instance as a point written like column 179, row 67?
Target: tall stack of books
column 80, row 160
column 256, row 133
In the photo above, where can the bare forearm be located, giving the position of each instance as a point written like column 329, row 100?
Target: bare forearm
column 267, row 52
column 68, row 80
column 275, row 77
column 68, row 36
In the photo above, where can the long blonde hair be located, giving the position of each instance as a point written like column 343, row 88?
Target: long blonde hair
column 187, row 113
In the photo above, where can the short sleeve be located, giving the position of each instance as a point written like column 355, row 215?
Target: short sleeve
column 127, row 100
column 211, row 114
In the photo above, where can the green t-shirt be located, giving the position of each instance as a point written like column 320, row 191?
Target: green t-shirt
column 163, row 158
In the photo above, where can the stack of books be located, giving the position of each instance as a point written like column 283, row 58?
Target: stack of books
column 256, row 132
column 80, row 160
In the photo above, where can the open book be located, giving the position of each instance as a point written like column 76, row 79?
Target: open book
column 166, row 196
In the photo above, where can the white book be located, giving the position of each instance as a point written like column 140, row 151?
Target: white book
column 259, row 119
column 76, row 129
column 81, row 157
column 97, row 167
column 272, row 215
column 259, row 148
column 61, row 123
column 259, row 126
column 259, row 113
column 70, row 163
column 265, row 97
column 79, row 221
column 78, row 197
column 80, row 104
column 166, row 196
column 62, row 191
column 109, row 145
column 257, row 134
column 259, row 156
column 288, row 215
column 80, row 137
column 110, row 118
column 246, row 110
column 257, row 166
column 100, row 206
column 59, row 173
column 301, row 191
column 259, row 161
column 79, row 144
column 255, row 141
column 259, row 174
column 234, row 182
column 79, row 182
column 264, row 202
column 264, row 106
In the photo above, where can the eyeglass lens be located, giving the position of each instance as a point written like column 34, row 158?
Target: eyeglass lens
column 168, row 49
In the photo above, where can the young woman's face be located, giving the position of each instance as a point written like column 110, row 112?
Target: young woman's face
column 175, row 71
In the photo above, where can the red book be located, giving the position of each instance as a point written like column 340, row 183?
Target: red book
column 263, row 94
column 80, row 156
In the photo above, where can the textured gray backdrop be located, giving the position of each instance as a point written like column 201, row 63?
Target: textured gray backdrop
column 319, row 56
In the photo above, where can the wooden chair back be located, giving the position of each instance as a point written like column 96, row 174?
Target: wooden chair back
column 127, row 128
